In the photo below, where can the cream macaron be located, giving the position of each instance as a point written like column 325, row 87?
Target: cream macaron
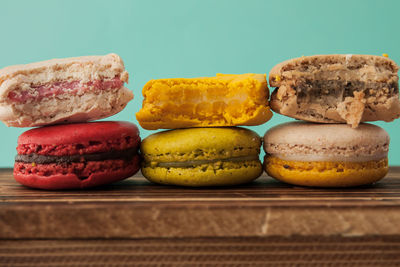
column 64, row 90
column 326, row 155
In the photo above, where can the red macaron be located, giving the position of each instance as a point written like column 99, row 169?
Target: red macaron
column 79, row 155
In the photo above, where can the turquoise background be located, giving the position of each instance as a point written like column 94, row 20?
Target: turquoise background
column 187, row 38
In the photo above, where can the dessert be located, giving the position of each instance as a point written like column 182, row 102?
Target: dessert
column 63, row 90
column 77, row 155
column 224, row 100
column 336, row 89
column 326, row 155
column 202, row 156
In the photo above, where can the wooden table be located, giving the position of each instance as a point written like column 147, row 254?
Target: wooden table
column 265, row 223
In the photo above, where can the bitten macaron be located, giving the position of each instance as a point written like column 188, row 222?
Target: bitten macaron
column 223, row 100
column 336, row 89
column 202, row 156
column 326, row 155
column 80, row 155
column 65, row 90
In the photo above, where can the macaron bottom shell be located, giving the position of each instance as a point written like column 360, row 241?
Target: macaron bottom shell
column 223, row 174
column 326, row 174
column 59, row 177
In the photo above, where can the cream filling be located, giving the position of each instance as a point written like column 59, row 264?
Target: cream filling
column 192, row 163
column 239, row 98
column 332, row 157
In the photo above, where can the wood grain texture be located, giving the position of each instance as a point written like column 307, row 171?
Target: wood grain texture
column 272, row 251
column 135, row 208
column 264, row 223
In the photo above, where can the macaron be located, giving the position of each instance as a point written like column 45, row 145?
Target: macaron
column 202, row 157
column 336, row 89
column 81, row 155
column 326, row 155
column 223, row 100
column 76, row 89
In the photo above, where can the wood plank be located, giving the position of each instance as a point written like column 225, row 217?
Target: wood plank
column 135, row 208
column 273, row 251
column 264, row 223
column 137, row 189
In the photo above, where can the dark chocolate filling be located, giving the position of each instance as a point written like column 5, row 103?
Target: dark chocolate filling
column 331, row 92
column 126, row 154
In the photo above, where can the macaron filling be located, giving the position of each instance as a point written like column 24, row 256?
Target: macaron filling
column 194, row 163
column 80, row 165
column 42, row 159
column 305, row 153
column 331, row 92
column 37, row 92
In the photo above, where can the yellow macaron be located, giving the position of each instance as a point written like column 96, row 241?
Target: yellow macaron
column 326, row 155
column 223, row 100
column 202, row 156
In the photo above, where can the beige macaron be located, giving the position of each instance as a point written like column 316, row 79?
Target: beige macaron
column 333, row 155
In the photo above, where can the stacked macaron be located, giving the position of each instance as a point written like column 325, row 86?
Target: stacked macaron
column 328, row 92
column 204, row 146
column 79, row 154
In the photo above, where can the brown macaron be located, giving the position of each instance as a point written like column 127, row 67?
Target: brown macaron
column 336, row 89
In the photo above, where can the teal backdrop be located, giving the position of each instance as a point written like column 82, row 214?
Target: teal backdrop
column 188, row 38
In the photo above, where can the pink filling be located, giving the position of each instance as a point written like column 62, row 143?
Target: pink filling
column 58, row 88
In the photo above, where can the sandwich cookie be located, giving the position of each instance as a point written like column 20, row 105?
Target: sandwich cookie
column 336, row 89
column 224, row 100
column 202, row 157
column 63, row 90
column 78, row 155
column 321, row 155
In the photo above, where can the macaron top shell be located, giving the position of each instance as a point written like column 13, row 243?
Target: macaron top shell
column 276, row 74
column 200, row 143
column 86, row 67
column 326, row 135
column 312, row 141
column 79, row 133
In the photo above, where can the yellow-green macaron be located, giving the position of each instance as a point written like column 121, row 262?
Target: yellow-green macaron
column 202, row 156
